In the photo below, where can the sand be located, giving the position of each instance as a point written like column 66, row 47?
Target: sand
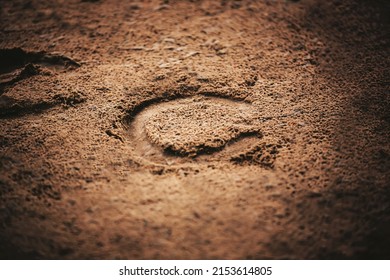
column 194, row 129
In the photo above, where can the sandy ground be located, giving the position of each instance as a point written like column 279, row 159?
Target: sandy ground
column 194, row 129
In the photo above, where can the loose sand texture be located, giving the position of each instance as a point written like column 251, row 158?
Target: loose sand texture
column 194, row 129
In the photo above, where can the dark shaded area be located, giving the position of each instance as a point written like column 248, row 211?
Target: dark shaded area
column 18, row 64
column 17, row 109
column 205, row 149
column 14, row 58
column 10, row 252
column 358, row 52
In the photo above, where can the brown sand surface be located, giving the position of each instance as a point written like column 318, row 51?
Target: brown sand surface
column 194, row 129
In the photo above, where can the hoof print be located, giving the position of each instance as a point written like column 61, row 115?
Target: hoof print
column 193, row 130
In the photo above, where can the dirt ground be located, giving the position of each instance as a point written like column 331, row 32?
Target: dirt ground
column 194, row 129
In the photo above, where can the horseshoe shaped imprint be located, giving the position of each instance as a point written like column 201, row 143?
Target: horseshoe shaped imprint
column 194, row 129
